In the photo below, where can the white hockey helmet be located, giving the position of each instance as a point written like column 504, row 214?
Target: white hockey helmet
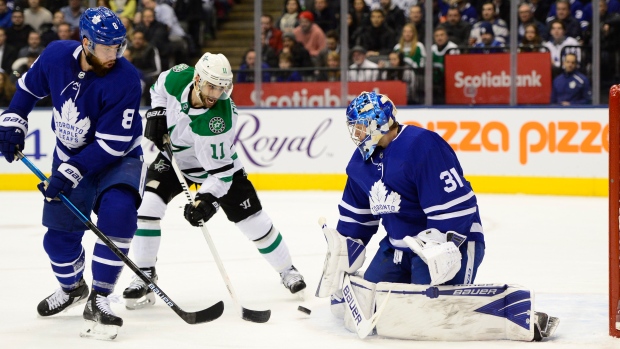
column 215, row 69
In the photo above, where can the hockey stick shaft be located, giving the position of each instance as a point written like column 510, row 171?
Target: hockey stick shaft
column 206, row 315
column 259, row 316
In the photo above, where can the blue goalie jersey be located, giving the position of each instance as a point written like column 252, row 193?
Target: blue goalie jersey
column 96, row 119
column 414, row 184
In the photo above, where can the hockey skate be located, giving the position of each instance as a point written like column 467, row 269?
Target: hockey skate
column 293, row 281
column 138, row 295
column 101, row 322
column 60, row 301
column 544, row 326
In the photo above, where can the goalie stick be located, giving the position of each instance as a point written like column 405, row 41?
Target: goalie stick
column 259, row 316
column 205, row 315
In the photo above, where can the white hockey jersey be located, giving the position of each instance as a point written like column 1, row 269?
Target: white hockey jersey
column 202, row 139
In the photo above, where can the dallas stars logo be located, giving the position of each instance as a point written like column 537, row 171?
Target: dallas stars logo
column 161, row 166
column 217, row 125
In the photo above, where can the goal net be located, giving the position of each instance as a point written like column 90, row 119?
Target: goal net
column 614, row 211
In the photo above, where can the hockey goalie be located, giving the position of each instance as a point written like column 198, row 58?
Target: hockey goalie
column 419, row 284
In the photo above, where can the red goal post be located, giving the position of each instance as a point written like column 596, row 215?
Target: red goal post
column 614, row 211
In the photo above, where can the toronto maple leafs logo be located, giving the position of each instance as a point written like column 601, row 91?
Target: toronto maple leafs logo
column 381, row 202
column 96, row 19
column 69, row 130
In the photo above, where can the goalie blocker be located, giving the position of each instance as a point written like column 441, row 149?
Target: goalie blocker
column 420, row 312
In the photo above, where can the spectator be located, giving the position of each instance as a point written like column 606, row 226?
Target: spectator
column 332, row 73
column 324, row 16
column 557, row 42
column 273, row 35
column 17, row 34
column 361, row 13
column 179, row 46
column 378, row 39
column 73, row 12
column 21, row 65
column 301, row 57
column 34, row 45
column 571, row 87
column 362, row 69
column 526, row 16
column 611, row 6
column 531, row 42
column 575, row 7
column 394, row 16
column 246, row 70
column 7, row 89
column 439, row 49
column 468, row 12
column 290, row 16
column 8, row 53
column 398, row 70
column 500, row 28
column 457, row 29
column 416, row 18
column 49, row 31
column 36, row 15
column 128, row 26
column 5, row 15
column 156, row 34
column 355, row 31
column 488, row 44
column 286, row 74
column 502, row 10
column 541, row 9
column 123, row 8
column 269, row 55
column 412, row 49
column 310, row 35
column 332, row 45
column 145, row 57
column 572, row 28
column 610, row 33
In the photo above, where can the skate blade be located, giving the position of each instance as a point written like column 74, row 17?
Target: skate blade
column 94, row 330
column 139, row 303
column 301, row 294
column 553, row 324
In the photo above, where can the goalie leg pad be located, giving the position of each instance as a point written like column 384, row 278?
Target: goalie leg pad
column 343, row 255
column 456, row 313
column 365, row 295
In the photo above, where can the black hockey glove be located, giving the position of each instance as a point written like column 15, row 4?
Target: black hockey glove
column 156, row 126
column 205, row 206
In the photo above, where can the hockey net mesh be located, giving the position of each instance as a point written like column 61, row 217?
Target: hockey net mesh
column 614, row 211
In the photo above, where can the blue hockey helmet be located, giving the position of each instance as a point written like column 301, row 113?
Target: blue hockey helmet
column 369, row 117
column 102, row 26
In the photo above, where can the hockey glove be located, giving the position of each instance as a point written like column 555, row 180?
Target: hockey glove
column 13, row 130
column 205, row 206
column 439, row 251
column 63, row 180
column 156, row 126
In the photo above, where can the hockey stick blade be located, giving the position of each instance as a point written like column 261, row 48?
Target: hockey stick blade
column 206, row 315
column 258, row 316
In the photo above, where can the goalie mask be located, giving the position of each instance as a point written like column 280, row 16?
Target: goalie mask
column 213, row 77
column 369, row 117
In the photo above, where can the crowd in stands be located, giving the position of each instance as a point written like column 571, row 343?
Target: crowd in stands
column 160, row 33
column 386, row 39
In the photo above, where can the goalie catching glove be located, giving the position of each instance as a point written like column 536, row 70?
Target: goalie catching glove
column 156, row 126
column 439, row 251
column 205, row 206
column 344, row 255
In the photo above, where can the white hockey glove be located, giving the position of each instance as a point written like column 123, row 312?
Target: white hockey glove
column 344, row 255
column 439, row 251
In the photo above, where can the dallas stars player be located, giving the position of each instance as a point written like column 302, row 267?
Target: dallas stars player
column 195, row 108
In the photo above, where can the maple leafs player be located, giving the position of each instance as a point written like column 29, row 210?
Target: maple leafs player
column 97, row 160
column 194, row 107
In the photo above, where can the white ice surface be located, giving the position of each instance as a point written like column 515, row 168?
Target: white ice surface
column 555, row 245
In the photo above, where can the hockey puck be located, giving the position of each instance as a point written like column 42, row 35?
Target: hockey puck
column 304, row 310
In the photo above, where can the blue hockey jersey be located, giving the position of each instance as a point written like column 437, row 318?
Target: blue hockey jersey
column 96, row 119
column 415, row 183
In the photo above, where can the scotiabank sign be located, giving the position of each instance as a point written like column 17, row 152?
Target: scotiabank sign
column 314, row 94
column 485, row 78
